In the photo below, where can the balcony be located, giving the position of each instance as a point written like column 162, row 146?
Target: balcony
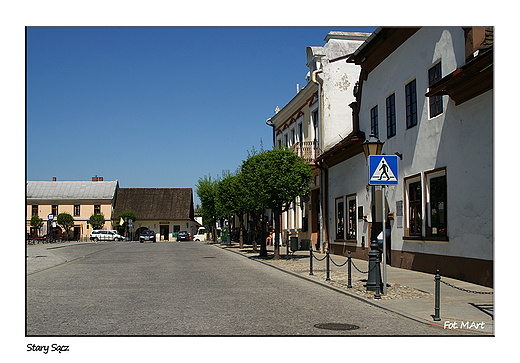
column 308, row 150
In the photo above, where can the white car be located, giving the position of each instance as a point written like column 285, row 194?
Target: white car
column 201, row 235
column 105, row 235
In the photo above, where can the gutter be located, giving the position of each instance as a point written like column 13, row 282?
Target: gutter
column 320, row 143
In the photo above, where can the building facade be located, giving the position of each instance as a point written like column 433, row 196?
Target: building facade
column 80, row 199
column 166, row 211
column 427, row 94
column 314, row 121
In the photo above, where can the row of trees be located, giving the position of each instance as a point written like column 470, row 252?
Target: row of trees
column 96, row 220
column 270, row 179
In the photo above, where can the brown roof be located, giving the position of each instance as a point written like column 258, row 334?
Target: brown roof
column 155, row 203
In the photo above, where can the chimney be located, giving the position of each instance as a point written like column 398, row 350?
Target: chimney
column 100, row 178
column 53, row 178
column 94, row 178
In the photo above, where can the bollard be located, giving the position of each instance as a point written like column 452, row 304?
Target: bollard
column 328, row 264
column 312, row 257
column 437, row 316
column 377, row 295
column 349, row 259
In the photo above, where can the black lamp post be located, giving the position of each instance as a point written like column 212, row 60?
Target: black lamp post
column 373, row 146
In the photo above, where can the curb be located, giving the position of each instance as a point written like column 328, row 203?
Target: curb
column 348, row 293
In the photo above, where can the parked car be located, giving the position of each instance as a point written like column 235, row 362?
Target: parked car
column 201, row 234
column 183, row 236
column 105, row 235
column 147, row 235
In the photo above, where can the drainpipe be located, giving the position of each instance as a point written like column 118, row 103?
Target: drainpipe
column 320, row 137
column 268, row 122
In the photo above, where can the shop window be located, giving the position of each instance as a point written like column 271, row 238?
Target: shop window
column 414, row 207
column 352, row 220
column 340, row 217
column 438, row 204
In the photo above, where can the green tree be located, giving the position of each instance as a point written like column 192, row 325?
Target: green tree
column 36, row 222
column 126, row 216
column 254, row 198
column 66, row 221
column 287, row 176
column 206, row 189
column 230, row 198
column 97, row 220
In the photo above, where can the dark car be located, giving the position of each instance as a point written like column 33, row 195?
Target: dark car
column 147, row 235
column 183, row 236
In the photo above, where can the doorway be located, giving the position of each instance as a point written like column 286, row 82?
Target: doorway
column 165, row 231
column 77, row 233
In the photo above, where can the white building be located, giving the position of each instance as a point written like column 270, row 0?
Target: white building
column 427, row 94
column 316, row 119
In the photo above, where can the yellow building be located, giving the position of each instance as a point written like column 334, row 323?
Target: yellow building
column 80, row 199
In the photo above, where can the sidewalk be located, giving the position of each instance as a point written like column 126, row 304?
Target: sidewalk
column 410, row 293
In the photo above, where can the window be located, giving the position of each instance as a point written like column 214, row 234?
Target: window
column 340, row 215
column 279, row 144
column 97, row 208
column 293, row 136
column 373, row 121
column 415, row 208
column 76, row 209
column 34, row 211
column 438, row 206
column 300, row 132
column 434, row 74
column 390, row 116
column 315, row 125
column 352, row 220
column 55, row 210
column 411, row 104
column 286, row 140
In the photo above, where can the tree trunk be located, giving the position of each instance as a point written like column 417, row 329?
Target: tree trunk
column 263, row 247
column 255, row 231
column 276, row 222
column 241, row 222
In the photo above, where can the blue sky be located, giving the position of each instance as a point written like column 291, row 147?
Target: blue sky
column 157, row 107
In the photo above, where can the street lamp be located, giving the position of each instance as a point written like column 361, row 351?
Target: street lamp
column 373, row 146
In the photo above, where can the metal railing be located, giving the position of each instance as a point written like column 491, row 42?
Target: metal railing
column 308, row 150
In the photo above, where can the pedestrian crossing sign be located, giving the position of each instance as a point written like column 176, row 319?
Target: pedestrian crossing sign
column 383, row 170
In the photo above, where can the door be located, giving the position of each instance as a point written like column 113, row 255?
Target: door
column 77, row 233
column 165, row 231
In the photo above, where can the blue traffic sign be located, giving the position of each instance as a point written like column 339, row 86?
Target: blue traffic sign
column 383, row 170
